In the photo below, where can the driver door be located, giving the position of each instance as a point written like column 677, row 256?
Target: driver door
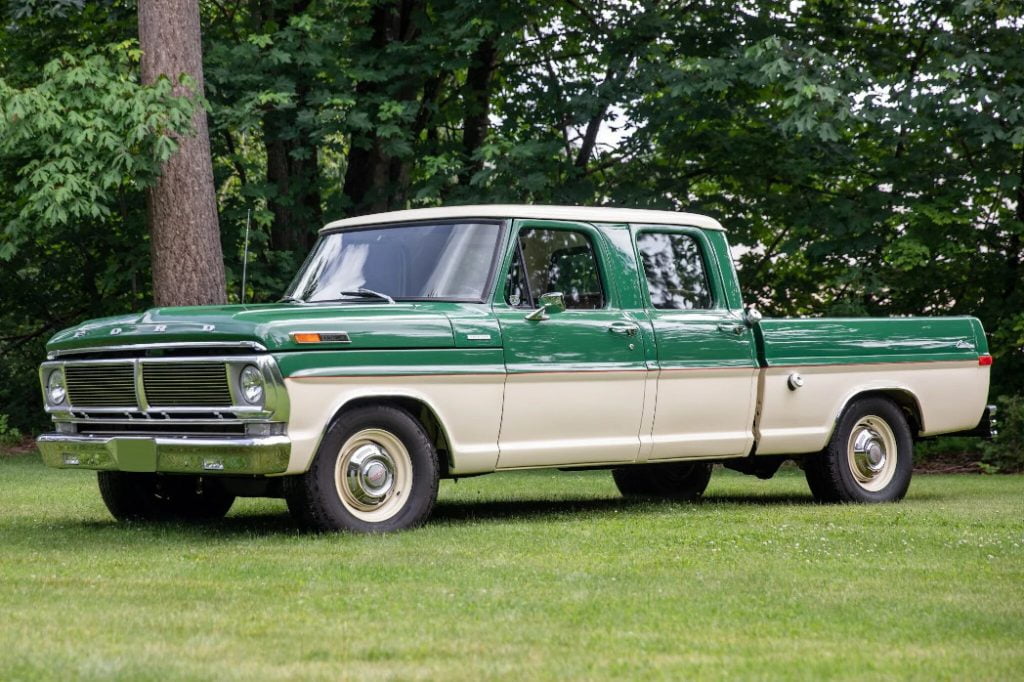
column 574, row 393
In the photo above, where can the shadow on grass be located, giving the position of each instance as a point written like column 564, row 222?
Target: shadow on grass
column 519, row 509
column 273, row 524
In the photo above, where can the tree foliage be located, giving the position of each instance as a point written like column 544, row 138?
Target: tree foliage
column 867, row 158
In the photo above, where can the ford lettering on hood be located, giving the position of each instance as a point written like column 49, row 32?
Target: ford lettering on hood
column 273, row 327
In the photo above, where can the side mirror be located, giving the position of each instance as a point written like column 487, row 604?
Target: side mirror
column 751, row 316
column 552, row 302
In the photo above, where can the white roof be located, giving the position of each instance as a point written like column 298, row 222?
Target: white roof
column 578, row 213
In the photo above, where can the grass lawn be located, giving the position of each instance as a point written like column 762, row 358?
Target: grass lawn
column 522, row 576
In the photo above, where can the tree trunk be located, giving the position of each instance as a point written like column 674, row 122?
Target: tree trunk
column 296, row 178
column 374, row 180
column 292, row 165
column 476, row 100
column 188, row 265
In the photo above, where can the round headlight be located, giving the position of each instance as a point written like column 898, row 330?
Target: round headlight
column 55, row 391
column 251, row 383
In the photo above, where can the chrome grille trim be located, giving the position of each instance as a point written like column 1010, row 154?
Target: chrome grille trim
column 101, row 385
column 142, row 347
column 213, row 374
column 199, row 384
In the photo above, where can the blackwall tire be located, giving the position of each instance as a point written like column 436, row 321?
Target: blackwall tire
column 375, row 471
column 870, row 457
column 158, row 497
column 680, row 481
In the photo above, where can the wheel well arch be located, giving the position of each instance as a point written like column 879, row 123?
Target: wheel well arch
column 902, row 397
column 419, row 410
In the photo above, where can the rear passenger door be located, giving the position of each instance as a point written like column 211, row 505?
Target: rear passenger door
column 574, row 393
column 706, row 359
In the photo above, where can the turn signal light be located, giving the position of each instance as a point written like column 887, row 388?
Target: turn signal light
column 306, row 337
column 985, row 360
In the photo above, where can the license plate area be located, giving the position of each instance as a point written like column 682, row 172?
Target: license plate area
column 134, row 454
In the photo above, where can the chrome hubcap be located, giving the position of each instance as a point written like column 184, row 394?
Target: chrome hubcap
column 869, row 452
column 872, row 453
column 373, row 474
column 370, row 475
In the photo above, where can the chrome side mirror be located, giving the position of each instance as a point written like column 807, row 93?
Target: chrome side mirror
column 552, row 302
column 751, row 316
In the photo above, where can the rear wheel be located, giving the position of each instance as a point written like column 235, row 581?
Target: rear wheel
column 375, row 471
column 869, row 458
column 684, row 481
column 158, row 497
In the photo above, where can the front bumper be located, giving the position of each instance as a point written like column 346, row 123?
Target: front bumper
column 167, row 454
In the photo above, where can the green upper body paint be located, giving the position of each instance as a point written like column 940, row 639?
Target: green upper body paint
column 426, row 336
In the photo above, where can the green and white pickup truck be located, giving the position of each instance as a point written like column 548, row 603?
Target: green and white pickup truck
column 449, row 342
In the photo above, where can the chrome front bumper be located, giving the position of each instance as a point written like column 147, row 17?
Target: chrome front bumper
column 167, row 454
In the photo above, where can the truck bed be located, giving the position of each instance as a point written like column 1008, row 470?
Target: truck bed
column 930, row 366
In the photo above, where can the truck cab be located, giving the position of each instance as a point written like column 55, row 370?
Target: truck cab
column 439, row 343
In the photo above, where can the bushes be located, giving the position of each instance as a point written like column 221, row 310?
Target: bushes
column 1006, row 452
column 9, row 435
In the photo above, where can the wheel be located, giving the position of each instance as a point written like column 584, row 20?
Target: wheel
column 156, row 497
column 869, row 458
column 684, row 481
column 375, row 471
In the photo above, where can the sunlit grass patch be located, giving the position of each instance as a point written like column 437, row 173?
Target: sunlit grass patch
column 523, row 576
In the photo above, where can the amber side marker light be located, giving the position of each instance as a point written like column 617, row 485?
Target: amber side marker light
column 306, row 337
column 985, row 360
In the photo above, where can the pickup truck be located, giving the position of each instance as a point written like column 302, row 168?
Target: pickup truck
column 440, row 343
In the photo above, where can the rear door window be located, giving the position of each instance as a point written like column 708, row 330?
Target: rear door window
column 676, row 276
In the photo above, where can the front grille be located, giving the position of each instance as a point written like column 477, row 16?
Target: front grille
column 193, row 384
column 101, row 385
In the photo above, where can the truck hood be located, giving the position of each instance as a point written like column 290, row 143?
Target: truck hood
column 368, row 325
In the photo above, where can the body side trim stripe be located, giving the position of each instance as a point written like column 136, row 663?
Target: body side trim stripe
column 316, row 374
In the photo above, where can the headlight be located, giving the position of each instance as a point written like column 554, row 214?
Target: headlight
column 55, row 391
column 251, row 383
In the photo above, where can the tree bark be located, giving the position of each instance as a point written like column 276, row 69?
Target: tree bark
column 188, row 264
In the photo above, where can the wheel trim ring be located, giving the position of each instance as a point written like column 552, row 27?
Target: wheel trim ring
column 872, row 469
column 355, row 475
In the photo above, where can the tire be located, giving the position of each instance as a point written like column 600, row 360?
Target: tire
column 869, row 458
column 375, row 471
column 681, row 481
column 157, row 497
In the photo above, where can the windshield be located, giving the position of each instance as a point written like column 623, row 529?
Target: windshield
column 448, row 261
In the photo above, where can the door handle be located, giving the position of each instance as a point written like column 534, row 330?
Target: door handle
column 731, row 328
column 624, row 328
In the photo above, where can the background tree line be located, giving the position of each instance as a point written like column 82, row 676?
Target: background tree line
column 867, row 158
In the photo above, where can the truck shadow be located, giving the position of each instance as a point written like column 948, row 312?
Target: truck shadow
column 523, row 509
column 274, row 523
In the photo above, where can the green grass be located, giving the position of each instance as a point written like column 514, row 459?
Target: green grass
column 522, row 576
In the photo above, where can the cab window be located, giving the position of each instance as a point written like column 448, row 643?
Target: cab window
column 676, row 277
column 555, row 260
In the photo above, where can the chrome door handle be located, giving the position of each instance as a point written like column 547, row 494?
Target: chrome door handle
column 624, row 328
column 731, row 328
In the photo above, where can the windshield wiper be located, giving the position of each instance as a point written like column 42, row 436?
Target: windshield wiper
column 368, row 293
column 290, row 299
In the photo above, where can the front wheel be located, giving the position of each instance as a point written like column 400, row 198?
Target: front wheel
column 680, row 481
column 375, row 471
column 869, row 458
column 159, row 497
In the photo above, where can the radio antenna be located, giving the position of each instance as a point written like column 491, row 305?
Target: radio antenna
column 245, row 253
